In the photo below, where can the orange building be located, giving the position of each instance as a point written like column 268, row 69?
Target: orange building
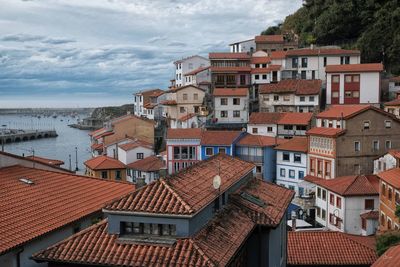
column 389, row 199
column 106, row 168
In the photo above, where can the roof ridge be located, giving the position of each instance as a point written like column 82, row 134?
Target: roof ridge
column 173, row 192
column 201, row 252
column 347, row 236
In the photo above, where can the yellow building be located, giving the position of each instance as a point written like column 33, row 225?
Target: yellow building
column 106, row 168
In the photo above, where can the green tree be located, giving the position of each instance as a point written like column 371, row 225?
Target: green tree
column 386, row 240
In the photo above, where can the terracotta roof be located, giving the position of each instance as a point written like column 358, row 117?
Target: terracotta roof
column 330, row 132
column 394, row 102
column 342, row 111
column 395, row 153
column 369, row 67
column 150, row 92
column 219, row 137
column 269, row 39
column 168, row 102
column 187, row 117
column 103, row 163
column 228, row 55
column 134, row 144
column 265, row 117
column 299, row 144
column 390, row 258
column 371, row 215
column 278, row 54
column 231, row 92
column 391, row 177
column 352, row 185
column 321, row 51
column 53, row 201
column 296, row 118
column 46, row 160
column 198, row 70
column 395, row 79
column 266, row 70
column 318, row 248
column 184, row 193
column 190, row 133
column 176, row 89
column 97, row 146
column 189, row 57
column 230, row 69
column 149, row 105
column 98, row 131
column 260, row 60
column 298, row 87
column 149, row 164
column 260, row 140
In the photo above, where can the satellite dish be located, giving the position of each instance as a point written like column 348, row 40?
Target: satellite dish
column 217, row 181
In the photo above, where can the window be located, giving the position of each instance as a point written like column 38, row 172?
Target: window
column 236, row 113
column 375, row 145
column 258, row 169
column 382, row 219
column 323, row 214
column 331, row 199
column 369, row 204
column 325, row 61
column 366, row 125
column 348, row 94
column 222, row 150
column 177, row 152
column 303, row 74
column 318, row 192
column 184, row 152
column 255, row 130
column 263, row 65
column 288, row 127
column 139, row 155
column 339, row 202
column 363, row 224
column 117, row 175
column 282, row 172
column 311, row 98
column 347, row 78
column 209, row 151
column 196, row 96
column 286, row 98
column 285, row 156
column 302, row 98
column 304, row 62
column 257, row 65
column 313, row 75
column 295, row 62
column 224, row 101
column 224, row 114
column 236, row 101
column 291, row 173
column 335, row 94
column 318, row 212
column 242, row 79
column 264, row 76
column 388, row 124
column 276, row 97
column 104, row 174
column 397, row 198
column 182, row 109
column 388, row 144
column 135, row 228
column 269, row 129
column 216, row 204
column 297, row 158
column 301, row 174
column 383, row 189
column 357, row 146
column 230, row 79
column 257, row 76
column 323, row 194
column 390, row 193
column 335, row 78
column 346, row 60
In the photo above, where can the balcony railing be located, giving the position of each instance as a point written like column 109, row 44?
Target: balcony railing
column 252, row 158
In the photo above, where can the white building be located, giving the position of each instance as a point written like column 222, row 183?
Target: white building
column 231, row 105
column 394, row 86
column 345, row 203
column 243, row 46
column 146, row 170
column 134, row 151
column 353, row 84
column 393, row 106
column 198, row 76
column 388, row 161
column 263, row 70
column 187, row 65
column 145, row 101
column 291, row 164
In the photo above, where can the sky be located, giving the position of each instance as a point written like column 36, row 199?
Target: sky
column 89, row 53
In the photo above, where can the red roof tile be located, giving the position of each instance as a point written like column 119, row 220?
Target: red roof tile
column 269, row 39
column 149, row 164
column 353, row 185
column 342, row 111
column 98, row 131
column 46, row 160
column 219, row 137
column 266, row 70
column 391, row 176
column 228, row 55
column 395, row 153
column 260, row 60
column 168, row 102
column 230, row 69
column 260, row 140
column 198, row 70
column 187, row 117
column 298, row 87
column 395, row 79
column 134, row 144
column 191, row 86
column 98, row 147
column 321, row 51
column 390, row 258
column 369, row 67
column 190, row 133
column 265, row 117
column 394, row 102
column 320, row 248
column 184, row 193
column 330, row 132
column 299, row 144
column 278, row 54
column 372, row 215
column 231, row 92
column 103, row 163
column 53, row 201
column 296, row 118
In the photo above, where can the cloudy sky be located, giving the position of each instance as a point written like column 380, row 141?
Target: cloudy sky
column 73, row 53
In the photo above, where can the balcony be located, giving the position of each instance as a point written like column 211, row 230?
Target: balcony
column 258, row 159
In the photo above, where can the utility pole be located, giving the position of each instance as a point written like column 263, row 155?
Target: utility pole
column 70, row 165
column 76, row 159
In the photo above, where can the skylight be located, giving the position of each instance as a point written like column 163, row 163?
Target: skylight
column 27, row 181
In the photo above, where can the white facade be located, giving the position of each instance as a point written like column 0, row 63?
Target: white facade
column 384, row 163
column 197, row 78
column 243, row 46
column 148, row 177
column 394, row 86
column 288, row 102
column 291, row 167
column 133, row 155
column 186, row 65
column 231, row 112
column 138, row 104
column 112, row 149
column 263, row 129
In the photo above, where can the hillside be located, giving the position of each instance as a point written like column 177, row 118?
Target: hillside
column 371, row 26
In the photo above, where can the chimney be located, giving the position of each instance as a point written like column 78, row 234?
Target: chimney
column 312, row 46
column 294, row 221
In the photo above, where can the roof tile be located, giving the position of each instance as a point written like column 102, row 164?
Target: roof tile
column 104, row 163
column 368, row 67
column 298, row 87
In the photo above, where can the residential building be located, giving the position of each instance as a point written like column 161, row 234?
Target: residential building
column 183, row 148
column 270, row 43
column 393, row 106
column 260, row 151
column 230, row 70
column 231, row 105
column 310, row 63
column 198, row 76
column 387, row 161
column 389, row 199
column 186, row 65
column 347, row 204
column 214, row 142
column 394, row 86
column 243, row 46
column 192, row 120
column 42, row 205
column 183, row 221
column 182, row 101
column 326, row 248
column 55, row 162
column 146, row 170
column 348, row 138
column 291, row 164
column 353, row 84
column 105, row 167
column 391, row 257
column 145, row 101
column 262, row 70
column 284, row 125
column 290, row 96
column 133, row 151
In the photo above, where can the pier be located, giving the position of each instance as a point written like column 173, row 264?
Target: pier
column 17, row 135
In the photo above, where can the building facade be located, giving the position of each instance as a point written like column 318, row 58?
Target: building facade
column 231, row 105
column 389, row 199
column 187, row 65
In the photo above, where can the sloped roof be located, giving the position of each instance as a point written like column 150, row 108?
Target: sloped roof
column 367, row 67
column 228, row 55
column 390, row 258
column 54, row 200
column 265, row 117
column 187, row 117
column 391, row 176
column 185, row 193
column 330, row 132
column 321, row 51
column 198, row 70
column 46, row 160
column 319, row 248
column 269, row 39
column 395, row 153
column 394, row 102
column 149, row 164
column 294, row 118
column 216, row 69
column 104, row 163
column 189, row 133
column 352, row 185
column 297, row 143
column 266, row 70
column 219, row 137
column 230, row 92
column 297, row 87
column 278, row 54
column 372, row 214
column 134, row 144
column 342, row 111
column 260, row 60
column 260, row 140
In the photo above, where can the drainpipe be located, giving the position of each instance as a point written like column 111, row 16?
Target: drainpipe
column 18, row 255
